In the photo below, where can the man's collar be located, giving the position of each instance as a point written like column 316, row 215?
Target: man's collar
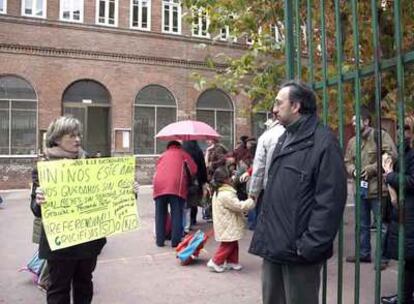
column 294, row 126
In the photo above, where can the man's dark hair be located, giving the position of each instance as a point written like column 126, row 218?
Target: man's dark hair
column 365, row 114
column 301, row 93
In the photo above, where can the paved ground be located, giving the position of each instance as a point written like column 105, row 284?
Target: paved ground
column 131, row 269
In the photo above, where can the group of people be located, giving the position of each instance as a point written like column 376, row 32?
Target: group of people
column 388, row 179
column 297, row 185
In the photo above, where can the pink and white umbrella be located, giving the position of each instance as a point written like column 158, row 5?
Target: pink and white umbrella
column 187, row 130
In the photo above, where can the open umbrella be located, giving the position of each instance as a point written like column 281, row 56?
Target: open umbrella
column 187, row 130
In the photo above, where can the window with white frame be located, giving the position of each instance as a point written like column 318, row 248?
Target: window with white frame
column 71, row 10
column 225, row 34
column 154, row 108
column 34, row 8
column 3, row 6
column 200, row 23
column 277, row 34
column 141, row 14
column 171, row 16
column 107, row 12
column 18, row 117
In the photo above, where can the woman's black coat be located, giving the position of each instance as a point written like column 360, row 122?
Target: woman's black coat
column 391, row 241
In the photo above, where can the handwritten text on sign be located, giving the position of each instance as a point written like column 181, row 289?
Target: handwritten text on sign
column 87, row 199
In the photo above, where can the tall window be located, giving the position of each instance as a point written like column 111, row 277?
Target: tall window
column 215, row 108
column 278, row 36
column 154, row 108
column 141, row 14
column 18, row 117
column 225, row 33
column 107, row 12
column 200, row 23
column 171, row 16
column 71, row 10
column 34, row 8
column 3, row 6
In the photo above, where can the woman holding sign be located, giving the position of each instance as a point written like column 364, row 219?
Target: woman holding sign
column 71, row 266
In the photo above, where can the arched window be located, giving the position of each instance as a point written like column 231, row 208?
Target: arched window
column 215, row 108
column 258, row 120
column 18, row 117
column 154, row 108
column 90, row 102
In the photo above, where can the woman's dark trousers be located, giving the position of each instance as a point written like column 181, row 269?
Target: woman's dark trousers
column 71, row 272
column 161, row 209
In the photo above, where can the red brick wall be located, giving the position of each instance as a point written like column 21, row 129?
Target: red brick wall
column 59, row 59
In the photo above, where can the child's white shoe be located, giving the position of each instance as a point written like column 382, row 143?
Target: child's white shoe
column 234, row 266
column 214, row 267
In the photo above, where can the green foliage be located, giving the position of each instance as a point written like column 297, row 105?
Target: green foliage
column 261, row 68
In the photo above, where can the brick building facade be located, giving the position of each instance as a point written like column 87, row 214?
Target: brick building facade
column 59, row 59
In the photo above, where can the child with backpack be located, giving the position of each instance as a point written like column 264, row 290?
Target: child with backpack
column 228, row 221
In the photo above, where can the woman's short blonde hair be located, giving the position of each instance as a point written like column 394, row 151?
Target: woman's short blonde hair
column 60, row 127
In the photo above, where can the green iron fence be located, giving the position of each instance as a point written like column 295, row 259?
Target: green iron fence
column 349, row 52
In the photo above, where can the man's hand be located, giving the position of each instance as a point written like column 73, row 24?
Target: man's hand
column 40, row 197
column 244, row 177
column 364, row 174
column 387, row 163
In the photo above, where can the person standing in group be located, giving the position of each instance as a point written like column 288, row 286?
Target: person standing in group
column 303, row 201
column 228, row 221
column 369, row 177
column 262, row 159
column 171, row 188
column 391, row 241
column 71, row 266
column 194, row 198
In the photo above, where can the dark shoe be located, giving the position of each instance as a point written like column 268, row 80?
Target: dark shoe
column 352, row 259
column 389, row 300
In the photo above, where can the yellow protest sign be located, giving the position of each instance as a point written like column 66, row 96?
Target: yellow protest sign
column 87, row 199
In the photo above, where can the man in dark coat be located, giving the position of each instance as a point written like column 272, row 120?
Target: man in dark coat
column 192, row 148
column 303, row 201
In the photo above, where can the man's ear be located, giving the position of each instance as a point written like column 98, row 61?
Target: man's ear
column 295, row 107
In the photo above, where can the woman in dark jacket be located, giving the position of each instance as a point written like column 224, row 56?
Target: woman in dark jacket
column 192, row 148
column 391, row 241
column 71, row 266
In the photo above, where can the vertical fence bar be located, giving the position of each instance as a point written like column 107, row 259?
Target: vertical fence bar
column 324, row 62
column 341, row 124
column 378, row 216
column 289, row 45
column 357, row 89
column 298, row 41
column 309, row 30
column 400, row 103
column 324, row 117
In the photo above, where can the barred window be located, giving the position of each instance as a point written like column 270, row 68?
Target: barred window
column 154, row 108
column 215, row 108
column 18, row 117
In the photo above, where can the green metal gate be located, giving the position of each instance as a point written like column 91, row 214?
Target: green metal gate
column 364, row 49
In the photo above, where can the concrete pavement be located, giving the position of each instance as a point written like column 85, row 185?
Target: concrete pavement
column 131, row 269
